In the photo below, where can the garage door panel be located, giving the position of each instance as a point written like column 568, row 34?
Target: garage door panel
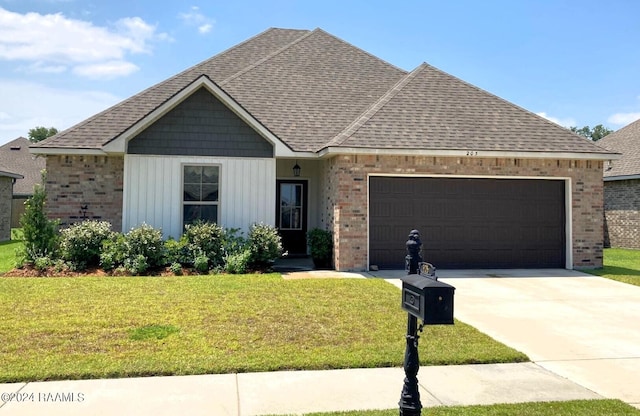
column 467, row 223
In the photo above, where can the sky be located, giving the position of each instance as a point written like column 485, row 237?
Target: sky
column 575, row 62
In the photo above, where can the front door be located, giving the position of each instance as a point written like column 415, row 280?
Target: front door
column 291, row 215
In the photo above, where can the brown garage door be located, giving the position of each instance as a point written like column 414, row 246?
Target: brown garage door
column 468, row 223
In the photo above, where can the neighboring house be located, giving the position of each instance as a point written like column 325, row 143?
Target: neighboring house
column 15, row 156
column 380, row 150
column 7, row 180
column 622, row 188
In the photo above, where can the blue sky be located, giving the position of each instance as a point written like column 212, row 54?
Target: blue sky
column 575, row 62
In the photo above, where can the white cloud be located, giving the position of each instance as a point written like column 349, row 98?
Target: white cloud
column 622, row 119
column 195, row 18
column 564, row 122
column 54, row 41
column 24, row 105
column 105, row 70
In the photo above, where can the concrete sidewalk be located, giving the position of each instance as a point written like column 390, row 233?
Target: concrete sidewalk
column 289, row 392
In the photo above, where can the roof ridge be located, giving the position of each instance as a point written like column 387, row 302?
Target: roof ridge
column 351, row 129
column 360, row 49
column 266, row 58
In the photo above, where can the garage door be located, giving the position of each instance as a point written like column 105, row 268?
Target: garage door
column 468, row 223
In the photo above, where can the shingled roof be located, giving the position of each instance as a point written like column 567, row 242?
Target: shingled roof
column 15, row 157
column 625, row 141
column 316, row 92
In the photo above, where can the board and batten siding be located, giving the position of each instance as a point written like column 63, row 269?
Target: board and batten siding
column 153, row 191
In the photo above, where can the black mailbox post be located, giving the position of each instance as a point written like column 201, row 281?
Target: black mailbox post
column 427, row 299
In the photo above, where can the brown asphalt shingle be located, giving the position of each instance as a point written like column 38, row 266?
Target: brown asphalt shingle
column 431, row 109
column 313, row 90
column 625, row 141
column 98, row 130
column 15, row 157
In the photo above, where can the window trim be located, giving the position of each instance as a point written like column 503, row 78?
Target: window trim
column 217, row 203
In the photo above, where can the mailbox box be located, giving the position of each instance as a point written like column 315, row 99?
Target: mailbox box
column 428, row 299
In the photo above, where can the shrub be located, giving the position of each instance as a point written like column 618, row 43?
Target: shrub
column 176, row 251
column 81, row 243
column 114, row 251
column 205, row 238
column 265, row 244
column 136, row 264
column 237, row 263
column 40, row 233
column 42, row 263
column 201, row 263
column 321, row 247
column 176, row 268
column 147, row 242
column 233, row 241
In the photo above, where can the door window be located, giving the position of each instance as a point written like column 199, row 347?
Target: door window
column 291, row 206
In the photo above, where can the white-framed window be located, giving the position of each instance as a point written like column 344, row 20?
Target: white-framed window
column 200, row 193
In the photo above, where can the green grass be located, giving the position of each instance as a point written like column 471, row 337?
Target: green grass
column 570, row 408
column 100, row 327
column 620, row 264
column 8, row 254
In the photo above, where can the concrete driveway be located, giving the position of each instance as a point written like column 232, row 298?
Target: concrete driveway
column 581, row 327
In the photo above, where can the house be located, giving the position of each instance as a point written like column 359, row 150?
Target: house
column 622, row 188
column 378, row 151
column 15, row 156
column 7, row 179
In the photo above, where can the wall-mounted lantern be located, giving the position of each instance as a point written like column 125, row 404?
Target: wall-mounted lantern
column 296, row 169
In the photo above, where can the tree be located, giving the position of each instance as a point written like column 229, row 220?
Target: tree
column 40, row 133
column 40, row 233
column 595, row 134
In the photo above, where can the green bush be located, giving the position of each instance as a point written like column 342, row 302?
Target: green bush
column 40, row 233
column 205, row 238
column 201, row 263
column 265, row 245
column 177, row 251
column 81, row 244
column 136, row 264
column 321, row 247
column 237, row 263
column 42, row 263
column 114, row 251
column 147, row 242
column 233, row 241
column 176, row 268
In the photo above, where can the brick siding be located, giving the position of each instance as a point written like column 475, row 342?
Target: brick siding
column 345, row 196
column 94, row 181
column 622, row 213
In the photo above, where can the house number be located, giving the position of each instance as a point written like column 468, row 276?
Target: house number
column 471, row 153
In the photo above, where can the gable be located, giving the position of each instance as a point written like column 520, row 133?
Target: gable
column 201, row 125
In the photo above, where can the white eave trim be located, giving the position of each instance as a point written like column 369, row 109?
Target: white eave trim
column 119, row 145
column 621, row 177
column 330, row 151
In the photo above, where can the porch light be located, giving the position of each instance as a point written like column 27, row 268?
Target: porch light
column 296, row 169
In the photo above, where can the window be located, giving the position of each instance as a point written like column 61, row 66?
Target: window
column 291, row 207
column 200, row 195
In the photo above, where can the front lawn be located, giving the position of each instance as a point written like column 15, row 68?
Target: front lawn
column 100, row 327
column 620, row 264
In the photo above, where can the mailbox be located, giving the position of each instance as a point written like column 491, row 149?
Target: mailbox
column 428, row 299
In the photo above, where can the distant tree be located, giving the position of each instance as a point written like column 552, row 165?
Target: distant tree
column 595, row 134
column 40, row 133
